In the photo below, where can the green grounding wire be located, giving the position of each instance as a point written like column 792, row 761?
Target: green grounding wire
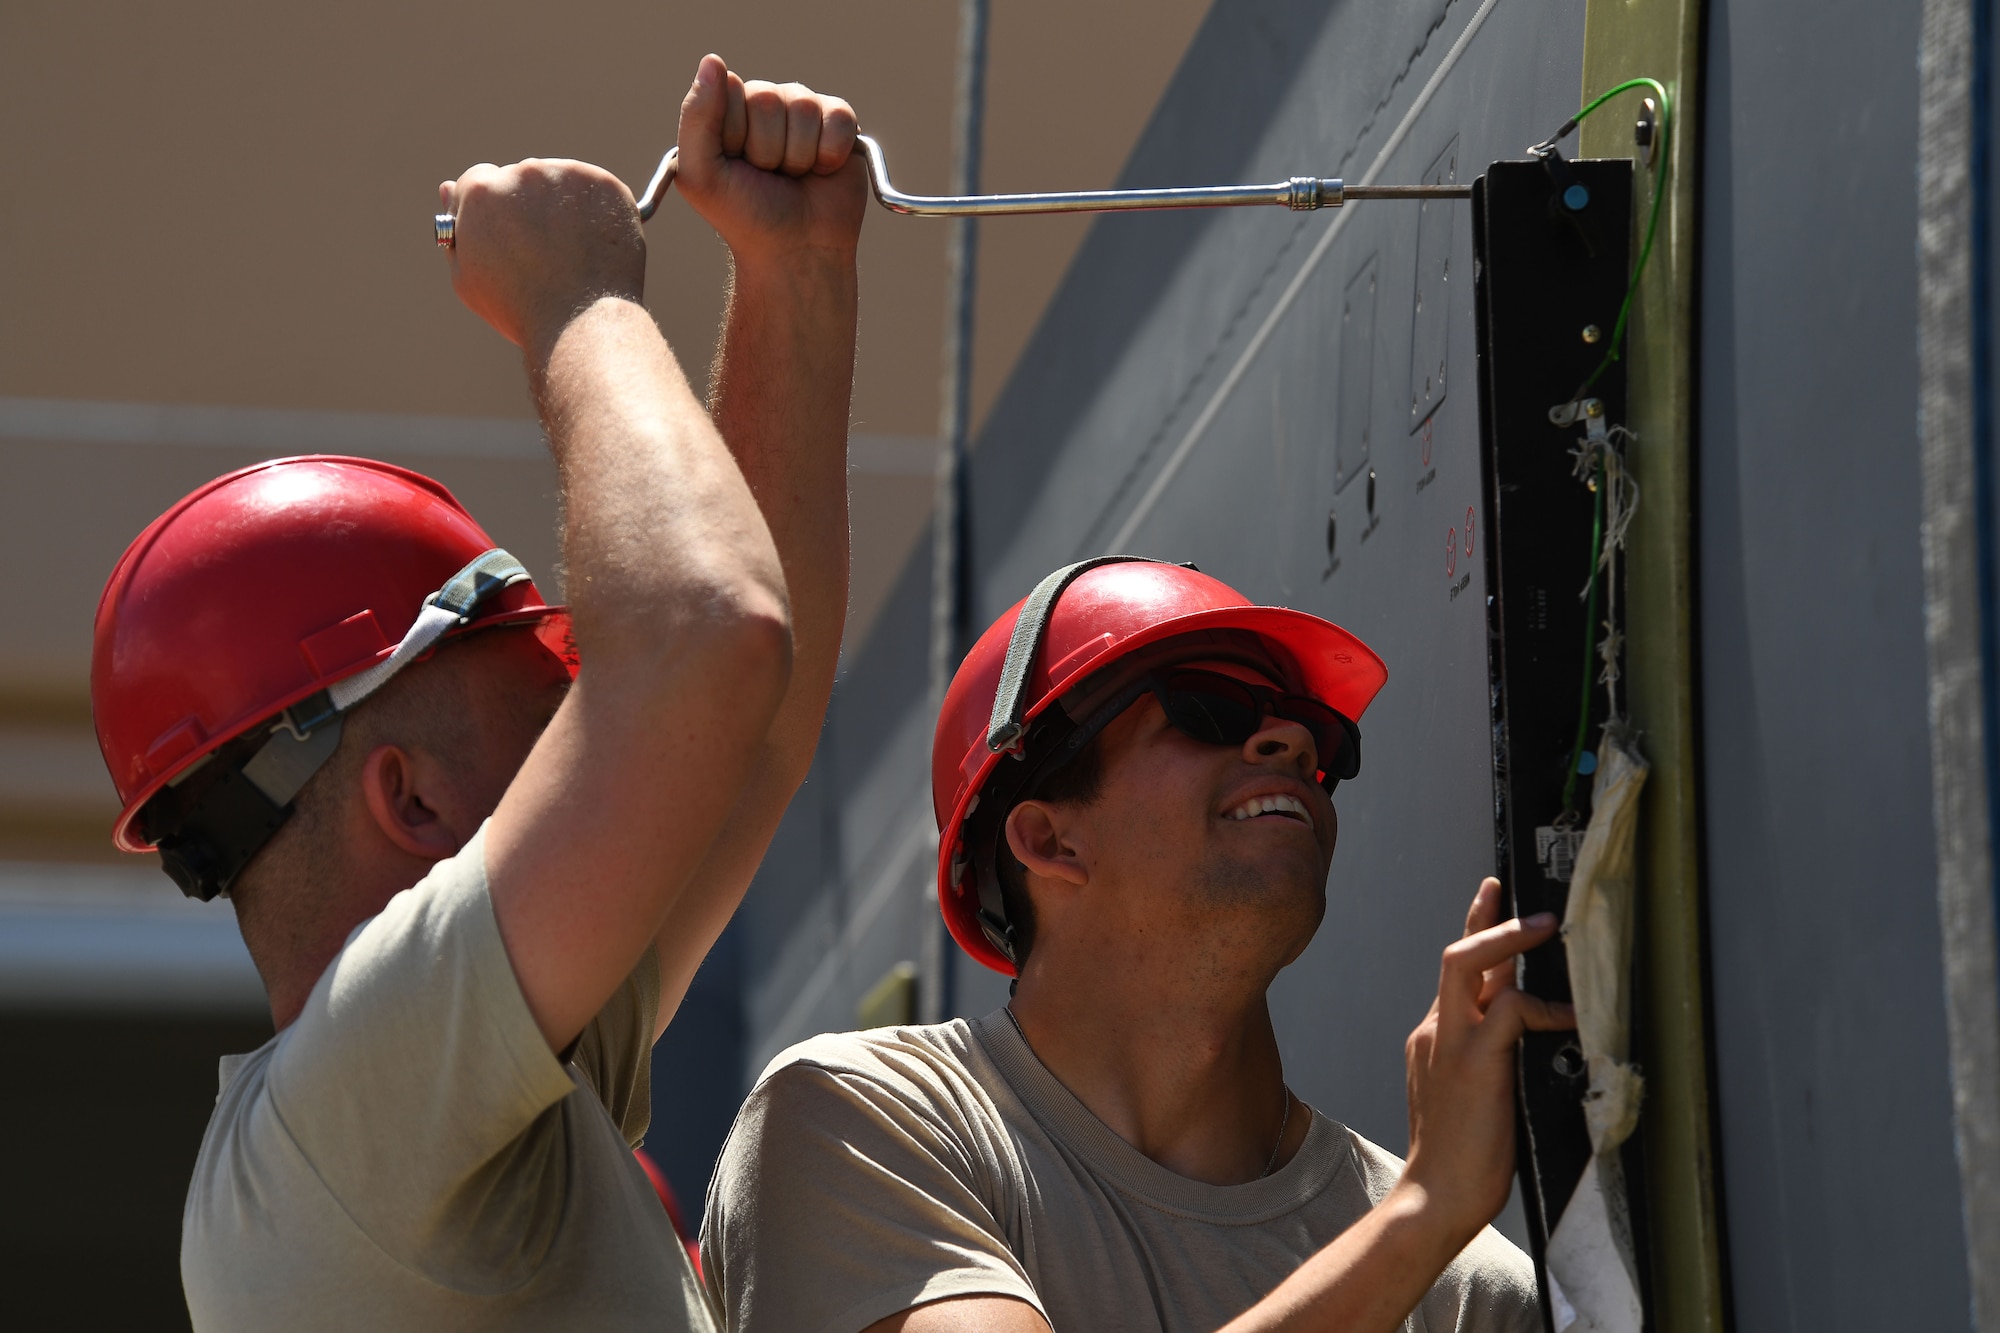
column 1661, row 149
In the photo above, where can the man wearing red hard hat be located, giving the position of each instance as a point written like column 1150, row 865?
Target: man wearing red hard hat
column 478, row 844
column 1133, row 775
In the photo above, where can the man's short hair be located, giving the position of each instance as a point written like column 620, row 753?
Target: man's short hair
column 427, row 706
column 1078, row 782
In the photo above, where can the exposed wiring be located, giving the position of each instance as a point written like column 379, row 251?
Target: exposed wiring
column 1662, row 148
column 1599, row 462
column 1621, row 501
column 1595, row 467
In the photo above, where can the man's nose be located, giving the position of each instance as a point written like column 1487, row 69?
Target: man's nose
column 1280, row 738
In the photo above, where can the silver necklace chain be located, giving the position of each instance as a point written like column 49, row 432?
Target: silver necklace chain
column 1284, row 1121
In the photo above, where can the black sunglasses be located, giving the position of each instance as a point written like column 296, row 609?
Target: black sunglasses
column 1215, row 709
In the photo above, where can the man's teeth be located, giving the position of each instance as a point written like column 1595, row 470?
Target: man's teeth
column 1264, row 805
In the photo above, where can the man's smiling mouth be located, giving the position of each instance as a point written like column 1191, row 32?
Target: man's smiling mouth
column 1276, row 803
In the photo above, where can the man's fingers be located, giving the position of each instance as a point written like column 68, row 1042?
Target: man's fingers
column 1539, row 1015
column 802, row 129
column 1475, row 955
column 764, row 142
column 704, row 114
column 773, row 127
column 1515, row 1012
column 735, row 119
column 460, row 194
column 1484, row 913
column 1466, row 962
column 837, row 128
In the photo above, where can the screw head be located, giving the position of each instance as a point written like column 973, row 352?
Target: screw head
column 1643, row 133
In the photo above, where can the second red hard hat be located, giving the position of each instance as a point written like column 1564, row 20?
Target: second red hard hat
column 1082, row 620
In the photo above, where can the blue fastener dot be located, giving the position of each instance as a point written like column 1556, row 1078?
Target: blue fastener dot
column 1586, row 764
column 1576, row 198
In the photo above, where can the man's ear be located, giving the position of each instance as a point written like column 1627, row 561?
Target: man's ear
column 399, row 789
column 1041, row 840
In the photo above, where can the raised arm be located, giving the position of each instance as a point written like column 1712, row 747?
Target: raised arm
column 1461, row 1081
column 676, row 591
column 770, row 167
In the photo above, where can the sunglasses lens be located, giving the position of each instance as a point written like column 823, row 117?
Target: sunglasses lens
column 1220, row 710
column 1210, row 711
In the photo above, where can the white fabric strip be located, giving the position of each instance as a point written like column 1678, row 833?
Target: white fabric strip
column 431, row 624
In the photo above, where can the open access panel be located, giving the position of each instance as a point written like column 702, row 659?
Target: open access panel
column 1551, row 268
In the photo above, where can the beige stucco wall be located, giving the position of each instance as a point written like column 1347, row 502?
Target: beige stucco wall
column 215, row 247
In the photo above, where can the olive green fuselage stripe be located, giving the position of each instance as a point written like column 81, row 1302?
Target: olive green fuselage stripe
column 1659, row 39
column 1662, row 150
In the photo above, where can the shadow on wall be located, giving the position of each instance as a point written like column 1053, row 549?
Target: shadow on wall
column 1206, row 130
column 1085, row 330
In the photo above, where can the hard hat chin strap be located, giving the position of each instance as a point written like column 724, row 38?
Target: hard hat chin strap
column 444, row 610
column 218, row 814
column 1008, row 726
column 1058, row 740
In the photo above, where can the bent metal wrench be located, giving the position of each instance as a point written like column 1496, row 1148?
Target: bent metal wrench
column 1300, row 193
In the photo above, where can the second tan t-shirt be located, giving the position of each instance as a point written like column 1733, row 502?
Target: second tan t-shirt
column 872, row 1172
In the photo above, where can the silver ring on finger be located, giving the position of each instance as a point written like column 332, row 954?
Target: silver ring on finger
column 447, row 229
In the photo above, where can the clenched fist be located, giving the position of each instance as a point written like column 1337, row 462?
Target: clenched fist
column 541, row 240
column 771, row 167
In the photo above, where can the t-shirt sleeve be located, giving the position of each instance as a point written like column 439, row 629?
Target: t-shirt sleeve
column 419, row 1088
column 840, row 1200
column 614, row 1056
column 1488, row 1288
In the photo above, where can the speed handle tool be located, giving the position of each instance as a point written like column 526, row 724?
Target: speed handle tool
column 1299, row 193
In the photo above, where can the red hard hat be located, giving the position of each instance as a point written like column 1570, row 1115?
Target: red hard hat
column 267, row 586
column 1079, row 621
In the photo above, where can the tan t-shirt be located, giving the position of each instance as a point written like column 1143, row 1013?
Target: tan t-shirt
column 410, row 1155
column 872, row 1172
